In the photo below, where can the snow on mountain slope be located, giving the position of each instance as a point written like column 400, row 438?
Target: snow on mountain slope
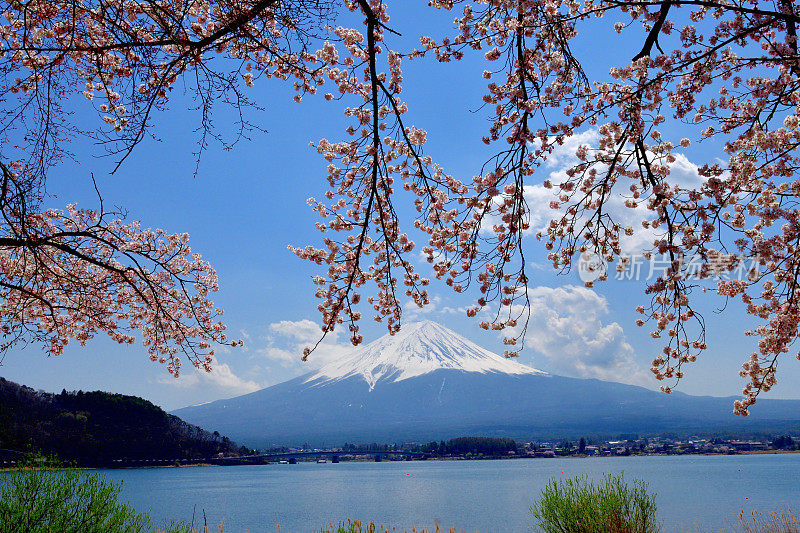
column 417, row 349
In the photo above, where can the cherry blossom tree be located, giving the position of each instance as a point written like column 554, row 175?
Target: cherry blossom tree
column 69, row 274
column 723, row 71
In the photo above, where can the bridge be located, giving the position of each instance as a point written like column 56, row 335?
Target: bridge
column 12, row 456
column 264, row 458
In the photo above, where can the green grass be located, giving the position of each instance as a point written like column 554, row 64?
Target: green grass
column 577, row 505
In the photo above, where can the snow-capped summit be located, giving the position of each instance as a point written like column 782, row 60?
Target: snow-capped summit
column 417, row 349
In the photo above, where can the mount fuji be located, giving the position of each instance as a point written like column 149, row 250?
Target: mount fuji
column 428, row 383
column 418, row 348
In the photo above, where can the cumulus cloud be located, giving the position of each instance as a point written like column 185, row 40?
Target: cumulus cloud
column 221, row 378
column 683, row 173
column 567, row 328
column 301, row 330
column 288, row 338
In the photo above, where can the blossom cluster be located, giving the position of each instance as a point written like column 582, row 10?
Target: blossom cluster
column 70, row 274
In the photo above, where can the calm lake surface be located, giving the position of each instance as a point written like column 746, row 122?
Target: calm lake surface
column 486, row 496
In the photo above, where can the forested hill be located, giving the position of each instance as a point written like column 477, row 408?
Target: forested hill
column 96, row 428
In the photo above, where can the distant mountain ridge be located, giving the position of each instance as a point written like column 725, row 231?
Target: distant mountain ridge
column 429, row 383
column 95, row 428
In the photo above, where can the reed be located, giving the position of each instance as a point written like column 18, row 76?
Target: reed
column 780, row 521
column 577, row 505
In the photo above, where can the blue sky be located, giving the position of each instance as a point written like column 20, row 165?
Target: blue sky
column 247, row 204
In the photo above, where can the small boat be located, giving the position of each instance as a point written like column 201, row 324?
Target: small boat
column 320, row 461
column 283, row 462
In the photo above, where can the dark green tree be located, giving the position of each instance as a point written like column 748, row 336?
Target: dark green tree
column 783, row 442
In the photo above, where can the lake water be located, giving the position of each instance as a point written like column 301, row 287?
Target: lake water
column 486, row 496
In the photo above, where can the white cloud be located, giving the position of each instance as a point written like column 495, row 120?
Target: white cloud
column 291, row 337
column 564, row 155
column 566, row 327
column 221, row 378
column 302, row 330
column 683, row 173
column 412, row 313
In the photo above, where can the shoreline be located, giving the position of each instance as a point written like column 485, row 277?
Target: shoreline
column 202, row 464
